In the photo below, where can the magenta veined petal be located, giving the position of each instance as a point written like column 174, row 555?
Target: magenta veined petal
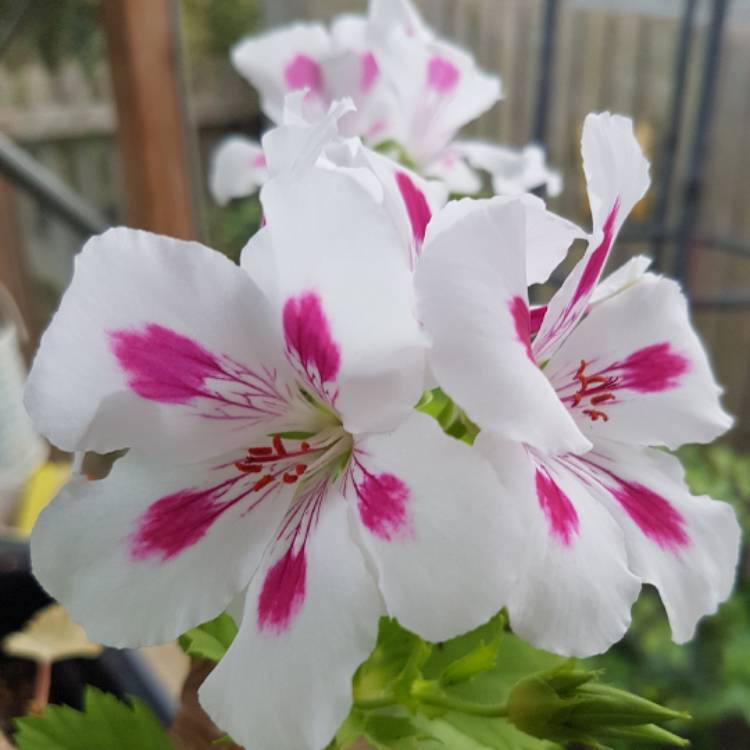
column 519, row 310
column 162, row 365
column 283, row 591
column 442, row 74
column 382, row 503
column 370, row 71
column 303, row 72
column 308, row 338
column 559, row 510
column 416, row 206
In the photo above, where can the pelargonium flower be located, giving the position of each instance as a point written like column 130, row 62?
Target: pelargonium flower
column 408, row 86
column 572, row 400
column 276, row 464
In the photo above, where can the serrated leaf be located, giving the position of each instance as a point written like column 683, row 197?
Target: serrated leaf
column 210, row 640
column 105, row 722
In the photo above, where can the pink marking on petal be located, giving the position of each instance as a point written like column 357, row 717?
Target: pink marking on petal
column 536, row 316
column 162, row 365
column 283, row 592
column 382, row 505
column 308, row 336
column 303, row 72
column 370, row 71
column 595, row 264
column 416, row 206
column 658, row 519
column 522, row 321
column 377, row 128
column 442, row 74
column 559, row 510
column 259, row 161
column 174, row 523
column 653, row 369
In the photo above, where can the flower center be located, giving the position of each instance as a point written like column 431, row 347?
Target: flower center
column 593, row 392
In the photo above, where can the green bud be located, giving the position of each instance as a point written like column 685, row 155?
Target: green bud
column 567, row 704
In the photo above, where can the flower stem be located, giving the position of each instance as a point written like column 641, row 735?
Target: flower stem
column 42, row 683
column 426, row 693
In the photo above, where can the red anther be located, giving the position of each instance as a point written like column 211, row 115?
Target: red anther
column 300, row 468
column 577, row 398
column 279, row 446
column 594, row 415
column 263, row 451
column 248, row 468
column 290, row 478
column 581, row 369
column 602, row 398
column 596, row 379
column 304, row 446
column 264, row 481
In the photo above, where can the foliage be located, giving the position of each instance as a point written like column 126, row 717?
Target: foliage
column 210, row 640
column 710, row 676
column 211, row 27
column 105, row 722
column 230, row 226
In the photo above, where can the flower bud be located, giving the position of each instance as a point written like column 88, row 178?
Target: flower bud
column 567, row 704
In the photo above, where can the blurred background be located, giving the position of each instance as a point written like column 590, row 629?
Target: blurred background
column 110, row 110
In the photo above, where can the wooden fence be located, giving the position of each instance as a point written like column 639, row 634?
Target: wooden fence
column 604, row 59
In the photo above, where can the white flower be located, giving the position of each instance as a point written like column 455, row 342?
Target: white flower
column 276, row 463
column 407, row 86
column 570, row 399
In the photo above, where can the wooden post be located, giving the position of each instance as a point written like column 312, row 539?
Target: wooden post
column 151, row 121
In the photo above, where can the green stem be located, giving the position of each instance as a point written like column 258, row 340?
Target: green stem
column 372, row 703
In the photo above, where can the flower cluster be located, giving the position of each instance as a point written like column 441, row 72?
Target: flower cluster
column 276, row 465
column 413, row 92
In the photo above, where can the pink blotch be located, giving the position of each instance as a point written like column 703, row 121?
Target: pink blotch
column 303, row 72
column 654, row 516
column 174, row 523
column 382, row 505
column 653, row 369
column 442, row 74
column 308, row 335
column 559, row 510
column 370, row 71
column 259, row 161
column 283, row 592
column 377, row 128
column 416, row 206
column 519, row 310
column 162, row 365
column 536, row 317
column 598, row 258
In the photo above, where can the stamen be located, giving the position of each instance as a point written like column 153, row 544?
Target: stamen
column 300, row 468
column 594, row 414
column 602, row 398
column 264, row 481
column 304, row 446
column 290, row 478
column 279, row 446
column 596, row 394
column 262, row 451
column 248, row 468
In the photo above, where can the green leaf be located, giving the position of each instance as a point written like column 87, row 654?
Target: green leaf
column 210, row 640
column 105, row 722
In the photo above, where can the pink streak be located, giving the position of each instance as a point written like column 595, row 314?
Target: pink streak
column 162, row 365
column 416, row 206
column 559, row 510
column 382, row 505
column 598, row 258
column 370, row 71
column 536, row 315
column 259, row 161
column 522, row 321
column 653, row 515
column 652, row 369
column 303, row 72
column 442, row 74
column 283, row 592
column 174, row 523
column 308, row 335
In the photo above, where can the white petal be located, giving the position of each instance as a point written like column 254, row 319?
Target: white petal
column 428, row 511
column 686, row 546
column 656, row 384
column 385, row 16
column 575, row 591
column 238, row 169
column 149, row 338
column 622, row 278
column 154, row 549
column 327, row 237
column 471, row 284
column 617, row 178
column 284, row 60
column 457, row 176
column 289, row 688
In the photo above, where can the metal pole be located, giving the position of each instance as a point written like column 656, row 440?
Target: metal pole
column 544, row 86
column 671, row 141
column 25, row 171
column 694, row 182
